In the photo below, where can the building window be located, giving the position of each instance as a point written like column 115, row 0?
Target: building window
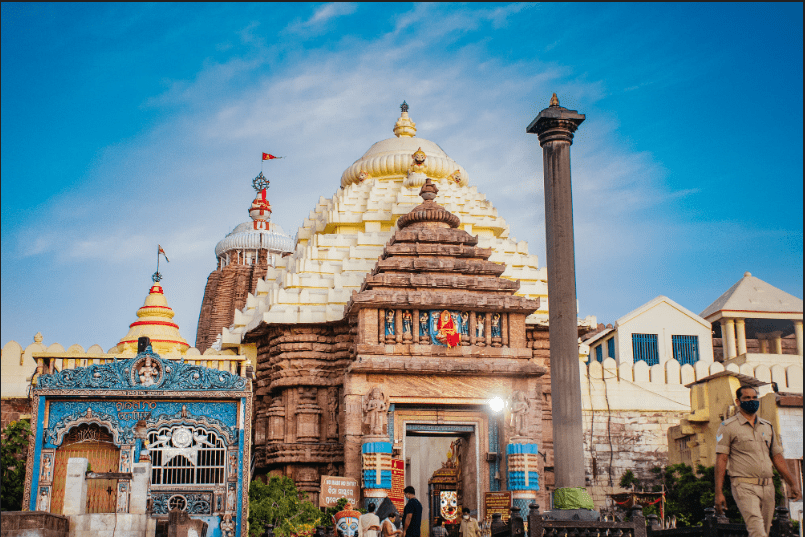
column 599, row 353
column 686, row 349
column 611, row 348
column 186, row 455
column 644, row 347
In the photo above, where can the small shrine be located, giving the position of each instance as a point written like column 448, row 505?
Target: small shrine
column 157, row 433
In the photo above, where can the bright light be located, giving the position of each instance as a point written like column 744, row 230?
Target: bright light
column 497, row 404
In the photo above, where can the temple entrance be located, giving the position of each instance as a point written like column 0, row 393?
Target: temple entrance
column 442, row 466
column 94, row 443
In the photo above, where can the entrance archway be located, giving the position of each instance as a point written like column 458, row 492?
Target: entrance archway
column 94, row 443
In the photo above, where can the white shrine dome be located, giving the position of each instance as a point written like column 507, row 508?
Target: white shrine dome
column 245, row 237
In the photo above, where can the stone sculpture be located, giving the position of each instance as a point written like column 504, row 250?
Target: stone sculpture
column 390, row 323
column 446, row 330
column 332, row 411
column 519, row 418
column 227, row 526
column 423, row 324
column 375, row 407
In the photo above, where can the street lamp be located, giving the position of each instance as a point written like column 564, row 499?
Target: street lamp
column 496, row 404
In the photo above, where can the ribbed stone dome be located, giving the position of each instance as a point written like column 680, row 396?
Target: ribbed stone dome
column 245, row 237
column 390, row 159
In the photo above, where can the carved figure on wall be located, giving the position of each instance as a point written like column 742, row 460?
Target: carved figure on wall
column 407, row 322
column 519, row 419
column 227, row 526
column 363, row 176
column 44, row 499
column 496, row 325
column 148, row 372
column 465, row 323
column 231, row 495
column 456, row 177
column 233, row 464
column 332, row 411
column 390, row 323
column 122, row 498
column 125, row 460
column 446, row 330
column 375, row 408
column 479, row 325
column 423, row 324
column 418, row 164
column 47, row 467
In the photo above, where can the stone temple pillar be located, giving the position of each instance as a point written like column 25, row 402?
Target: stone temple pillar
column 555, row 126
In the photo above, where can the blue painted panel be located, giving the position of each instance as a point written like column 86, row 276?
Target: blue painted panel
column 213, row 525
column 376, row 447
column 40, row 421
column 512, row 449
column 369, row 477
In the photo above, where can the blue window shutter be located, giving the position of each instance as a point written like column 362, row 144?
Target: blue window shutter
column 611, row 347
column 644, row 347
column 686, row 349
column 599, row 352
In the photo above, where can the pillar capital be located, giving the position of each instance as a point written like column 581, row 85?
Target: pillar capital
column 555, row 123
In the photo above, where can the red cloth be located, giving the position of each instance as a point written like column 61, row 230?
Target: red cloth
column 447, row 330
column 268, row 156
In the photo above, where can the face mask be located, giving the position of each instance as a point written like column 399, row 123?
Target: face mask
column 750, row 407
column 466, row 517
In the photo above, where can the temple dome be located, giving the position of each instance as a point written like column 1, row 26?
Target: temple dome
column 153, row 321
column 390, row 159
column 245, row 237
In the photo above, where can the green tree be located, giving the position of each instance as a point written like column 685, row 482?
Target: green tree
column 689, row 493
column 12, row 457
column 280, row 503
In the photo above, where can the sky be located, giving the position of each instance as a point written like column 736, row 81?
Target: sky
column 125, row 126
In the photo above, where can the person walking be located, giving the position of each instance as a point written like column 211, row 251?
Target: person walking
column 387, row 527
column 752, row 448
column 412, row 513
column 438, row 528
column 369, row 523
column 469, row 526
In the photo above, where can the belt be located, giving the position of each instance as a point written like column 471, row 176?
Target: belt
column 752, row 480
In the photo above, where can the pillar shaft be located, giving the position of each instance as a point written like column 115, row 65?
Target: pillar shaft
column 728, row 338
column 555, row 126
column 740, row 333
column 798, row 334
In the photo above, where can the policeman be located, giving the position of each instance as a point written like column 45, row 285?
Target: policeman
column 751, row 447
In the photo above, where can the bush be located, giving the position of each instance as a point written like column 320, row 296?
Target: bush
column 12, row 457
column 689, row 493
column 281, row 504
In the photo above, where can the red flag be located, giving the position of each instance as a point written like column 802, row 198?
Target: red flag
column 269, row 156
column 161, row 251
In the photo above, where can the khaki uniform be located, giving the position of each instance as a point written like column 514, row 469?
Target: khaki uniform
column 750, row 450
column 469, row 528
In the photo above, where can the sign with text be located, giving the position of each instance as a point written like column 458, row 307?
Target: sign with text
column 397, row 484
column 333, row 488
column 497, row 502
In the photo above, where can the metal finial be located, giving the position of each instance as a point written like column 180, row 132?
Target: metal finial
column 404, row 107
column 260, row 182
column 156, row 277
column 554, row 100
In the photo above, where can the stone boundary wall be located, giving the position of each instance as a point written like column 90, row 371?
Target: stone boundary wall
column 33, row 524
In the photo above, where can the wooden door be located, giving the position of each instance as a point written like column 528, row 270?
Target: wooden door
column 94, row 443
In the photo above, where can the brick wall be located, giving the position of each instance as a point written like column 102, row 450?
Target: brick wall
column 13, row 410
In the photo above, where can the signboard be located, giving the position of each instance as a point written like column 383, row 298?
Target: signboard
column 397, row 484
column 333, row 488
column 497, row 502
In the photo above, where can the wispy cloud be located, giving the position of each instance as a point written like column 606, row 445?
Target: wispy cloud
column 322, row 15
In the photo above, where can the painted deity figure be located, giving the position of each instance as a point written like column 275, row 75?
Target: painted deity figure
column 231, row 497
column 448, row 504
column 44, row 499
column 124, row 461
column 423, row 324
column 519, row 418
column 47, row 466
column 446, row 330
column 374, row 409
column 465, row 323
column 148, row 373
column 496, row 325
column 418, row 162
column 407, row 322
column 233, row 464
column 347, row 522
column 479, row 325
column 122, row 499
column 390, row 323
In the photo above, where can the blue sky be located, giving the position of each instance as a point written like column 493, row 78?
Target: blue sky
column 129, row 125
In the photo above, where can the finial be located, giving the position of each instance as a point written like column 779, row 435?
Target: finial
column 404, row 126
column 404, row 107
column 38, row 337
column 156, row 277
column 554, row 100
column 260, row 182
column 747, row 274
column 429, row 190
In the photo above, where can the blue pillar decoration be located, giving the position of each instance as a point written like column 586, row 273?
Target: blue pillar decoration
column 494, row 466
column 522, row 463
column 391, row 423
column 376, row 457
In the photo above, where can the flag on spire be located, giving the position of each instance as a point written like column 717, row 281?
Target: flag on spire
column 269, row 156
column 161, row 251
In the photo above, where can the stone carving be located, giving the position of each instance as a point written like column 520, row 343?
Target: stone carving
column 407, row 325
column 375, row 408
column 231, row 497
column 43, row 503
column 146, row 371
column 47, row 467
column 125, row 461
column 423, row 324
column 519, row 417
column 232, row 468
column 363, row 176
column 390, row 328
column 227, row 526
column 418, row 162
column 122, row 498
column 307, row 415
column 455, row 177
column 479, row 330
column 495, row 330
column 332, row 413
column 194, row 504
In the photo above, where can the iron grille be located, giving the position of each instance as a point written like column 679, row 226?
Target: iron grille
column 644, row 347
column 686, row 349
column 186, row 455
